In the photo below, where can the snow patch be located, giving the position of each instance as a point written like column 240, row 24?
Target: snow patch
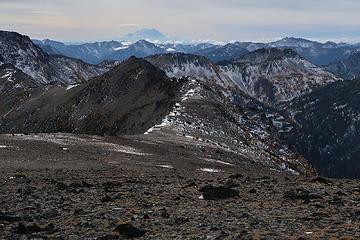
column 68, row 140
column 211, row 170
column 71, row 86
column 120, row 48
column 217, row 161
column 166, row 166
column 128, row 150
column 3, row 146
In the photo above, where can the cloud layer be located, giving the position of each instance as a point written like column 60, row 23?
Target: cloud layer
column 80, row 20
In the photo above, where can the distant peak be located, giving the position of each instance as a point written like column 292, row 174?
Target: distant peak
column 295, row 38
column 144, row 34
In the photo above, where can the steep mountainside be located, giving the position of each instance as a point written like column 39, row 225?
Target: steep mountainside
column 274, row 75
column 135, row 97
column 127, row 100
column 269, row 75
column 187, row 65
column 327, row 128
column 346, row 69
column 207, row 114
column 214, row 107
column 21, row 52
column 220, row 53
column 13, row 85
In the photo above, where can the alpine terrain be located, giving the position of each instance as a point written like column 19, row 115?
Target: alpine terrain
column 151, row 139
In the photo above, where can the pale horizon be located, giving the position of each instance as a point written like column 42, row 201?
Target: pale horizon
column 228, row 20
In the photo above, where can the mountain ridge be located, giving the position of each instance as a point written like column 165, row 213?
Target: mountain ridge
column 316, row 52
column 21, row 52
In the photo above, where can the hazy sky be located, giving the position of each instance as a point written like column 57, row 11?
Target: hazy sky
column 89, row 20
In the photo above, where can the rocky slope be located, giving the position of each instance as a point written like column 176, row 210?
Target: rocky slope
column 321, row 125
column 187, row 65
column 274, row 75
column 135, row 96
column 346, row 69
column 269, row 75
column 214, row 107
column 14, row 84
column 160, row 186
column 206, row 113
column 326, row 128
column 128, row 99
column 21, row 52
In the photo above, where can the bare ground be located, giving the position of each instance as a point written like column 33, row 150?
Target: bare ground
column 63, row 186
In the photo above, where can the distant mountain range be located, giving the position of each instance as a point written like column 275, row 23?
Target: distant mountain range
column 149, row 42
column 97, row 52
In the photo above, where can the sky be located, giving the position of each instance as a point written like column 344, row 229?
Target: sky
column 226, row 20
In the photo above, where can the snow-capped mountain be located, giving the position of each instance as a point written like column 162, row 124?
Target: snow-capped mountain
column 21, row 52
column 347, row 69
column 145, row 34
column 187, row 65
column 316, row 52
column 274, row 75
column 291, row 42
column 93, row 53
column 269, row 75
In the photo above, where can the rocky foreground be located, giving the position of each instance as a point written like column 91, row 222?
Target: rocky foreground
column 63, row 186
